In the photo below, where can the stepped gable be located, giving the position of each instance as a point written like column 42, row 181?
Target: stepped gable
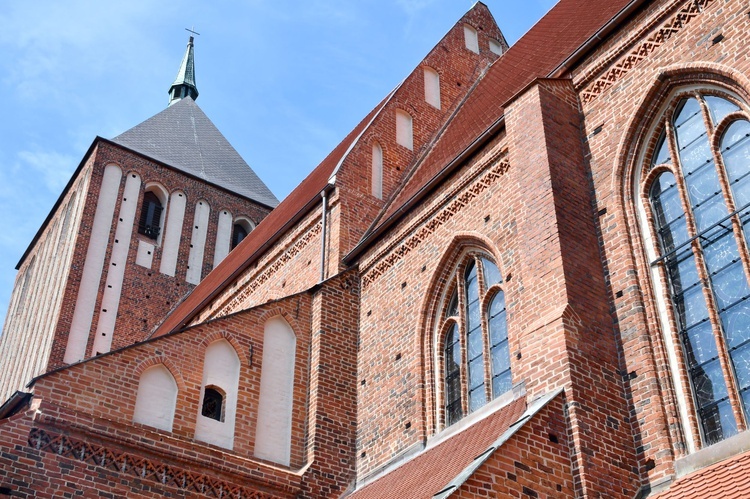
column 304, row 196
column 537, row 54
column 183, row 137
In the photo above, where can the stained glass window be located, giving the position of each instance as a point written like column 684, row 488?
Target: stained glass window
column 477, row 336
column 701, row 255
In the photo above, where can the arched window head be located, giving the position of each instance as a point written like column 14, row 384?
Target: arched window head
column 475, row 354
column 213, row 403
column 700, row 207
column 150, row 222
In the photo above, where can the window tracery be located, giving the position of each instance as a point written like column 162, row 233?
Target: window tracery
column 700, row 204
column 474, row 348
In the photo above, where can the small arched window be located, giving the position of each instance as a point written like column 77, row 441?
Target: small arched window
column 700, row 206
column 213, row 403
column 150, row 222
column 156, row 398
column 476, row 359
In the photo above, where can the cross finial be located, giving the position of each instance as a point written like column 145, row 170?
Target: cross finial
column 192, row 30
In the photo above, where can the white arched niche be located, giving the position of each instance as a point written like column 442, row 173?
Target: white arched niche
column 273, row 440
column 221, row 375
column 156, row 399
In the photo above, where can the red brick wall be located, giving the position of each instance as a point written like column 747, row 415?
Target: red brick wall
column 147, row 295
column 534, row 462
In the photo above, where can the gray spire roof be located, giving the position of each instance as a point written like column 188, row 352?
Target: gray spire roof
column 184, row 83
column 183, row 137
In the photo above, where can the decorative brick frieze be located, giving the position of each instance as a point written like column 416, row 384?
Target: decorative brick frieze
column 234, row 303
column 140, row 467
column 643, row 50
column 456, row 201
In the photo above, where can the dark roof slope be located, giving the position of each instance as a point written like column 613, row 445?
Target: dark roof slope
column 537, row 54
column 183, row 137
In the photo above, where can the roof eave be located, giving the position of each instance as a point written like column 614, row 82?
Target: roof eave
column 314, row 200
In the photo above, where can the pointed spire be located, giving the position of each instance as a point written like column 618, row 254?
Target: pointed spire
column 184, row 84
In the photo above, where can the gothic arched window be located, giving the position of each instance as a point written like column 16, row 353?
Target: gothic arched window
column 700, row 203
column 475, row 354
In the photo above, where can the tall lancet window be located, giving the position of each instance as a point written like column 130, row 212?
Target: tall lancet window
column 475, row 355
column 700, row 204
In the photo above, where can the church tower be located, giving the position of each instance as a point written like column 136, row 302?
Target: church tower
column 144, row 217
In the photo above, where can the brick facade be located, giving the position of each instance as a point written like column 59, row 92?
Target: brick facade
column 549, row 184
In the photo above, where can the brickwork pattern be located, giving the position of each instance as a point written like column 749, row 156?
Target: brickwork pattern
column 147, row 295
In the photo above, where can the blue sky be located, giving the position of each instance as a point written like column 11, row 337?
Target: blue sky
column 283, row 80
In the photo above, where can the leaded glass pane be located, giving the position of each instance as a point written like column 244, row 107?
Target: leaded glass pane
column 683, row 273
column 736, row 322
column 501, row 383
column 704, row 184
column 452, row 369
column 499, row 349
column 691, row 307
column 700, row 344
column 708, row 381
column 712, row 210
column 662, row 156
column 452, row 309
column 729, row 286
column 718, row 422
column 491, row 273
column 475, row 343
column 719, row 108
column 741, row 359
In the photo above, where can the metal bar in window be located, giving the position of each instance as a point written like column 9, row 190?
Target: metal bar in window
column 699, row 235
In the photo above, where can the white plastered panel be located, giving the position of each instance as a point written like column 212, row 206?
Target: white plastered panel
column 432, row 87
column 116, row 270
column 83, row 313
column 223, row 236
column 156, row 399
column 173, row 234
column 273, row 438
column 221, row 368
column 198, row 242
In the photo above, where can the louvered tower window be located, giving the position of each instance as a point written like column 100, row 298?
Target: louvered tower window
column 700, row 202
column 149, row 223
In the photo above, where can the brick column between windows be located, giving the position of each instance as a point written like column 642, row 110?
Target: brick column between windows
column 566, row 336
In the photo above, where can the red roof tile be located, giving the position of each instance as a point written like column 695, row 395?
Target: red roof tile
column 265, row 234
column 429, row 472
column 728, row 479
column 537, row 54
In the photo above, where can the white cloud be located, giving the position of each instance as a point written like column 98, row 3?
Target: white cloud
column 54, row 168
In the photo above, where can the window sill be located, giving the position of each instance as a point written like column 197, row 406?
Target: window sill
column 713, row 454
column 518, row 390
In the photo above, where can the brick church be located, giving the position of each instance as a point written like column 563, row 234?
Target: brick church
column 525, row 273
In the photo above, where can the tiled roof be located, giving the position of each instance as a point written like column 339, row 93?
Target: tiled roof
column 728, row 479
column 296, row 203
column 539, row 52
column 183, row 137
column 431, row 471
column 569, row 24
